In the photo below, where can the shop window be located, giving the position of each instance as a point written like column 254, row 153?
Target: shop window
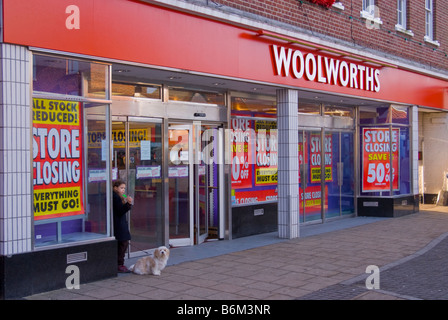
column 254, row 146
column 385, row 151
column 58, row 75
column 70, row 151
column 136, row 90
column 70, row 171
column 339, row 111
column 309, row 107
column 256, row 107
column 196, row 96
column 384, row 115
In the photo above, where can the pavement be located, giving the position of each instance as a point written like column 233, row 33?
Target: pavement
column 403, row 258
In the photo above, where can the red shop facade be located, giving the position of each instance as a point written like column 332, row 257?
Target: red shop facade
column 185, row 106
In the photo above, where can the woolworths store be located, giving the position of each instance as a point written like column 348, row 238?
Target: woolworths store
column 234, row 130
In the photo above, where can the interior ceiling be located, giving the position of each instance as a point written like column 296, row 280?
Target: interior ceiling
column 136, row 74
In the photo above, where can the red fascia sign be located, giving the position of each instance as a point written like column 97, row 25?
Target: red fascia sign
column 150, row 34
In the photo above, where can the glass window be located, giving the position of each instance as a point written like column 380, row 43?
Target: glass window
column 385, row 150
column 429, row 20
column 401, row 14
column 254, row 107
column 368, row 6
column 52, row 74
column 385, row 162
column 404, row 163
column 339, row 111
column 384, row 114
column 197, row 96
column 309, row 107
column 399, row 114
column 70, row 171
column 136, row 90
column 254, row 146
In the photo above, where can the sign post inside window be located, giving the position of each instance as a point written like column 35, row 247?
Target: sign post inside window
column 57, row 159
column 377, row 149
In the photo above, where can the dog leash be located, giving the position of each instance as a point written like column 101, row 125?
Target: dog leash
column 140, row 249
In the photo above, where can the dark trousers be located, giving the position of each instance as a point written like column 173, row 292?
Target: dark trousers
column 122, row 247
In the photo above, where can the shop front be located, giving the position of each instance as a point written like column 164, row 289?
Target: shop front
column 244, row 132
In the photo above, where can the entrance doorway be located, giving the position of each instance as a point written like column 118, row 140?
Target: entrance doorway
column 137, row 160
column 181, row 205
column 195, row 158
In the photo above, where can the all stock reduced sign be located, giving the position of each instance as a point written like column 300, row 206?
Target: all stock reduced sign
column 57, row 159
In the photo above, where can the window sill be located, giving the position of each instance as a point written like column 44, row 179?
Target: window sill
column 399, row 28
column 338, row 5
column 371, row 19
column 430, row 41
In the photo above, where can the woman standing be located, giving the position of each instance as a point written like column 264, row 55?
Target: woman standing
column 121, row 205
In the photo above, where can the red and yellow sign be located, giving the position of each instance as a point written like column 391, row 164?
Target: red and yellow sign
column 316, row 158
column 57, row 159
column 242, row 135
column 378, row 145
column 266, row 153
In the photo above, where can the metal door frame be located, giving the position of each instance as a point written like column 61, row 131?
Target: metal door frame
column 190, row 240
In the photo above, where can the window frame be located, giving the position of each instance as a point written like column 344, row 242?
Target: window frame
column 371, row 14
column 401, row 13
column 57, row 236
column 429, row 23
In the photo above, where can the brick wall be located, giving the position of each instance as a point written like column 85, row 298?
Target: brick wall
column 348, row 25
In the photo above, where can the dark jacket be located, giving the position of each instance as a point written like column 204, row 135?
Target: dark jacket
column 121, row 228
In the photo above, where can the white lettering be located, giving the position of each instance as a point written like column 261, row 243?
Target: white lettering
column 330, row 70
column 298, row 74
column 344, row 74
column 281, row 61
column 320, row 77
column 310, row 71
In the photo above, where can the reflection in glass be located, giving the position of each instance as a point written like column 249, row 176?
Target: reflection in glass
column 53, row 74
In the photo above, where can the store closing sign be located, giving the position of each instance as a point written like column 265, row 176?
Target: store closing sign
column 57, row 158
column 379, row 144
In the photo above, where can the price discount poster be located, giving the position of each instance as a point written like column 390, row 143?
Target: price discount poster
column 378, row 145
column 254, row 147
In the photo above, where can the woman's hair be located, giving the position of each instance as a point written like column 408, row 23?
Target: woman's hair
column 116, row 184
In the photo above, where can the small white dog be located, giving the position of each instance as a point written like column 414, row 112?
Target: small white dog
column 152, row 264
